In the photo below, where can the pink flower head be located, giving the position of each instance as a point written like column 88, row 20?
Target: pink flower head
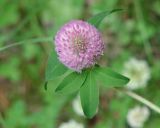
column 79, row 45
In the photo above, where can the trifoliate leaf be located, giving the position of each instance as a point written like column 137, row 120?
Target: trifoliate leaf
column 71, row 83
column 97, row 19
column 89, row 94
column 53, row 84
column 54, row 67
column 110, row 78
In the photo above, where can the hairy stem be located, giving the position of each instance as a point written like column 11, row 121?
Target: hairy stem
column 141, row 99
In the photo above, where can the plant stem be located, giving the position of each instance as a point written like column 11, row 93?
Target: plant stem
column 141, row 99
column 34, row 40
column 144, row 36
column 2, row 122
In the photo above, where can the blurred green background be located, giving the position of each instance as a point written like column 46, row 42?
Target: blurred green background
column 24, row 103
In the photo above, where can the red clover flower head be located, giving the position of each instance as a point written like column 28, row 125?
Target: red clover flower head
column 79, row 45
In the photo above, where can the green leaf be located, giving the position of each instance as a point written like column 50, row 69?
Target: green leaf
column 97, row 19
column 51, row 85
column 110, row 78
column 54, row 67
column 89, row 94
column 45, row 85
column 71, row 83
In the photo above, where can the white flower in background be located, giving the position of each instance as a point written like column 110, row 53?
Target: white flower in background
column 71, row 124
column 77, row 106
column 138, row 71
column 137, row 116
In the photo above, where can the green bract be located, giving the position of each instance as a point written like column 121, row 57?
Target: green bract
column 86, row 81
